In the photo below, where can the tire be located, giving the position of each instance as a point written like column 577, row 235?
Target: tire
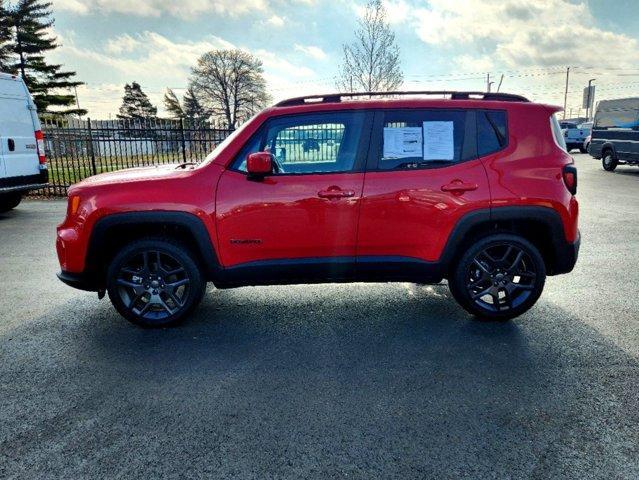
column 154, row 297
column 582, row 150
column 520, row 279
column 608, row 161
column 9, row 201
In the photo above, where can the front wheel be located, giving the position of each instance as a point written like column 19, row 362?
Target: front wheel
column 609, row 162
column 155, row 282
column 499, row 277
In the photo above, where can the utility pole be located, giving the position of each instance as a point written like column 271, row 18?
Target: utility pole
column 590, row 100
column 77, row 102
column 566, row 91
column 488, row 82
column 500, row 82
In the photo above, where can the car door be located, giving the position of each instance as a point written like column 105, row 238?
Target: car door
column 304, row 216
column 423, row 176
column 20, row 154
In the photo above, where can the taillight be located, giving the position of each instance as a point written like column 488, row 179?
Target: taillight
column 40, row 146
column 570, row 178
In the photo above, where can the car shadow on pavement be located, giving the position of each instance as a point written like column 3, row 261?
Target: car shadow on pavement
column 631, row 171
column 364, row 381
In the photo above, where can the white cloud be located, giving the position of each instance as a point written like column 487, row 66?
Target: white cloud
column 311, row 50
column 185, row 9
column 397, row 11
column 275, row 21
column 276, row 64
column 470, row 63
column 522, row 34
column 122, row 44
column 157, row 62
column 75, row 6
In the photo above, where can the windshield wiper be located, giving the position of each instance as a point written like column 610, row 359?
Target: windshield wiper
column 186, row 164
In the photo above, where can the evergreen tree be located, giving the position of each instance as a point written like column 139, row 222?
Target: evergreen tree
column 135, row 103
column 31, row 20
column 172, row 104
column 192, row 107
column 6, row 38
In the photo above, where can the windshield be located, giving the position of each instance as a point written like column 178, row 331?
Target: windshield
column 556, row 133
column 227, row 141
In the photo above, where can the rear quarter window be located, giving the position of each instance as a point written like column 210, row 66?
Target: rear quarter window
column 492, row 131
column 556, row 133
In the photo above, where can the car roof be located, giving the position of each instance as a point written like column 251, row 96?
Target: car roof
column 407, row 100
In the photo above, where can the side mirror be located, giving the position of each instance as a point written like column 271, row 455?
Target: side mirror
column 259, row 164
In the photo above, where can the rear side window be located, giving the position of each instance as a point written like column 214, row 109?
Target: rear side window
column 421, row 138
column 492, row 132
column 557, row 134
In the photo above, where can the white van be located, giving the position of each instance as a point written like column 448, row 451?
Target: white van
column 23, row 165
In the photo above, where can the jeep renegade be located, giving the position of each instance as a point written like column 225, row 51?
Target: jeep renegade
column 475, row 188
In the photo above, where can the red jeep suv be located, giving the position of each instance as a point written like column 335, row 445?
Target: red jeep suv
column 476, row 188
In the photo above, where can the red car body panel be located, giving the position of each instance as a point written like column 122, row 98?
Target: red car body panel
column 393, row 213
column 285, row 217
column 406, row 213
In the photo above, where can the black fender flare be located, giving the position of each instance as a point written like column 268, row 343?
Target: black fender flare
column 550, row 218
column 195, row 226
column 609, row 146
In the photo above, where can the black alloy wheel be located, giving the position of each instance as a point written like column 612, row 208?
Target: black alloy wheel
column 154, row 283
column 499, row 278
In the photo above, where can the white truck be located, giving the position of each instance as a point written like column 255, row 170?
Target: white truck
column 23, row 164
column 575, row 135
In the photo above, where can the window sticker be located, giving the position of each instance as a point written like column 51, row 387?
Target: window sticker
column 439, row 141
column 405, row 142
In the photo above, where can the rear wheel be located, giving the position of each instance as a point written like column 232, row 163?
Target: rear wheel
column 155, row 282
column 498, row 278
column 608, row 161
column 9, row 201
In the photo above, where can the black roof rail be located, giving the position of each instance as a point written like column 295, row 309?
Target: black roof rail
column 454, row 95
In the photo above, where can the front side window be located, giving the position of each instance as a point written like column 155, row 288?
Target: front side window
column 421, row 138
column 315, row 143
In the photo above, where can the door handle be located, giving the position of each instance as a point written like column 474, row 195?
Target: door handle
column 11, row 144
column 335, row 192
column 459, row 187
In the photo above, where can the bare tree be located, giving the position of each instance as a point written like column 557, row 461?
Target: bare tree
column 371, row 62
column 230, row 84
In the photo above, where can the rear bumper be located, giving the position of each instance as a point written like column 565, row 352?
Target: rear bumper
column 566, row 256
column 24, row 183
column 79, row 281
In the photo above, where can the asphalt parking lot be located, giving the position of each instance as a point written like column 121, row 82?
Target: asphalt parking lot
column 327, row 381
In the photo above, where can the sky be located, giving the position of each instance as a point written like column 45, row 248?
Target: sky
column 444, row 44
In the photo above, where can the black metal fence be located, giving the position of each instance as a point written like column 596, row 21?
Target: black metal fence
column 77, row 148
